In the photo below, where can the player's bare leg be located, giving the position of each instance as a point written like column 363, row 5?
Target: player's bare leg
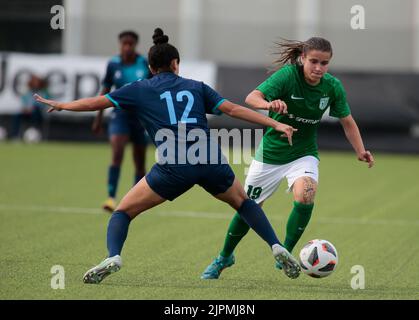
column 139, row 199
column 304, row 190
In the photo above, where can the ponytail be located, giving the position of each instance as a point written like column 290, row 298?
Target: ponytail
column 291, row 50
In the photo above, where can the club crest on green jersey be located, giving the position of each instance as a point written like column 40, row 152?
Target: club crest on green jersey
column 323, row 103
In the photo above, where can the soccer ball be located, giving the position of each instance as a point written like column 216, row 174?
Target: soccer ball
column 318, row 258
column 32, row 135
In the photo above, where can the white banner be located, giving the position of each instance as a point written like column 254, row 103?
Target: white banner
column 69, row 77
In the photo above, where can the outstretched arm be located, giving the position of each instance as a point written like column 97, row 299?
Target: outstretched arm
column 239, row 112
column 354, row 137
column 85, row 104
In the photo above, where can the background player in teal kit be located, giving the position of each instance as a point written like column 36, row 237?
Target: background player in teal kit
column 297, row 94
column 122, row 69
column 173, row 111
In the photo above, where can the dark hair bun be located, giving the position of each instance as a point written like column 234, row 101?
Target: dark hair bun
column 159, row 37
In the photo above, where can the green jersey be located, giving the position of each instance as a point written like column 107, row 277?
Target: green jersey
column 306, row 106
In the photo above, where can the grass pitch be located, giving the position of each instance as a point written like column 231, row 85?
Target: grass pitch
column 50, row 197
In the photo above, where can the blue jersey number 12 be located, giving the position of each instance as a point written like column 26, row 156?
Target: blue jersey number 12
column 171, row 108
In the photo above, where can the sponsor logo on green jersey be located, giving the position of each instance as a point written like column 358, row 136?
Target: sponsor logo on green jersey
column 303, row 120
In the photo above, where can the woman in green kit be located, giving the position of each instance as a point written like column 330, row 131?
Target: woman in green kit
column 297, row 94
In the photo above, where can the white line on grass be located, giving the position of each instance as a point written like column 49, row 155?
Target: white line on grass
column 209, row 215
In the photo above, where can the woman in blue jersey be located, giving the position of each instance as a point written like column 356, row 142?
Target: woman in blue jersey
column 122, row 69
column 173, row 109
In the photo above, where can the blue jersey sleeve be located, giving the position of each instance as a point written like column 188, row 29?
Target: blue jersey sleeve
column 125, row 97
column 212, row 100
column 108, row 79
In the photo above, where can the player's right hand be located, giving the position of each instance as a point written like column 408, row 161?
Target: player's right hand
column 287, row 130
column 53, row 105
column 278, row 106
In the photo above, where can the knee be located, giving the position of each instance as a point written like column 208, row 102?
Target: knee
column 306, row 191
column 128, row 210
column 242, row 199
column 239, row 199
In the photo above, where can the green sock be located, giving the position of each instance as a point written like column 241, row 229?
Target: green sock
column 297, row 222
column 236, row 231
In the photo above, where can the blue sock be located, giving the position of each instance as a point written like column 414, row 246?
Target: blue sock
column 117, row 232
column 254, row 216
column 113, row 177
column 137, row 178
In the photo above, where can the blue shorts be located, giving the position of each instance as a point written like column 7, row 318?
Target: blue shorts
column 170, row 182
column 121, row 123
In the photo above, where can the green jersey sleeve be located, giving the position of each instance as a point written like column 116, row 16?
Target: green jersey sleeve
column 339, row 108
column 275, row 87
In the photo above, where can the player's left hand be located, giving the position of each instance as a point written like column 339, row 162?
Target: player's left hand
column 367, row 157
column 53, row 105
